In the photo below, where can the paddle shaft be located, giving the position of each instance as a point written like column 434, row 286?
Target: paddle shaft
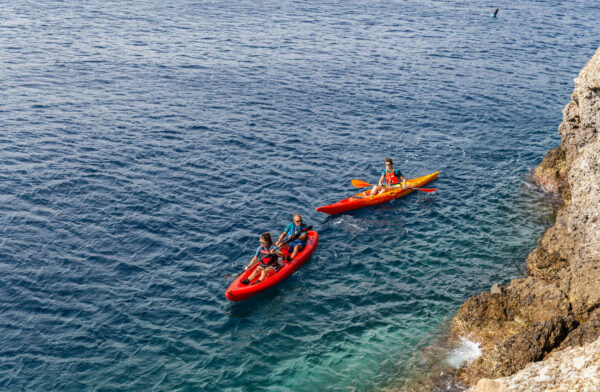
column 363, row 184
column 286, row 241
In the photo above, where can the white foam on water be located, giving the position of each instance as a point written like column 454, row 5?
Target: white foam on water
column 349, row 223
column 464, row 354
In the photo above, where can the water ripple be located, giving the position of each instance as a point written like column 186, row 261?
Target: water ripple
column 146, row 145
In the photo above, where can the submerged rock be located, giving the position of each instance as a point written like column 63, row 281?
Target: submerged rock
column 558, row 305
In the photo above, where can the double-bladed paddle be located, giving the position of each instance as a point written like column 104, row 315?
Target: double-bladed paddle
column 363, row 184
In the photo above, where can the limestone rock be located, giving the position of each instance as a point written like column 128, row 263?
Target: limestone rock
column 551, row 255
column 512, row 354
column 558, row 304
column 587, row 331
column 489, row 318
column 495, row 289
column 487, row 385
column 581, row 121
column 572, row 370
column 551, row 173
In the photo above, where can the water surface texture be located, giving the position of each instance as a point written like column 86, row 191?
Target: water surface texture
column 145, row 145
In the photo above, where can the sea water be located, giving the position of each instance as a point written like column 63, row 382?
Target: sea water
column 145, row 145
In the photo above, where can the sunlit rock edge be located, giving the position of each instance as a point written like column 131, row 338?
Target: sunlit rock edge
column 541, row 332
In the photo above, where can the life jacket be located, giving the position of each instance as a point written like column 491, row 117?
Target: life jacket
column 390, row 178
column 295, row 229
column 267, row 256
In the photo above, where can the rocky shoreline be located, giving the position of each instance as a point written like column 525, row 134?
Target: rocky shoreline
column 553, row 314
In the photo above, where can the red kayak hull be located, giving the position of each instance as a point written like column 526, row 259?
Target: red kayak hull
column 363, row 199
column 238, row 291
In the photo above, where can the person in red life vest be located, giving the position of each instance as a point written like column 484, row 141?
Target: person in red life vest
column 268, row 255
column 296, row 245
column 391, row 176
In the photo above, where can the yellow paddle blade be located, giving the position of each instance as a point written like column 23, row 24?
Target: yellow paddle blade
column 360, row 184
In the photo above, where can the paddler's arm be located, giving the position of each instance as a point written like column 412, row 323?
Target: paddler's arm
column 280, row 238
column 403, row 181
column 278, row 253
column 381, row 180
column 280, row 259
column 250, row 263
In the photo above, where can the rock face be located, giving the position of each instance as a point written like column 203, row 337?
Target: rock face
column 572, row 370
column 558, row 305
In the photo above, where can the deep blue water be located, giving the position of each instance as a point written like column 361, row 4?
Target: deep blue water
column 145, row 145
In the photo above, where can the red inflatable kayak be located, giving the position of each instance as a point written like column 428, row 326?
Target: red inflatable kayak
column 363, row 199
column 238, row 291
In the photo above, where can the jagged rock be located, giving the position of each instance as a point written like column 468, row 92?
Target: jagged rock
column 490, row 318
column 551, row 173
column 495, row 289
column 581, row 121
column 487, row 385
column 552, row 253
column 584, row 230
column 558, row 304
column 512, row 354
column 587, row 331
column 572, row 370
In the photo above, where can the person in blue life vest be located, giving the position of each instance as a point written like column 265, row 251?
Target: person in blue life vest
column 391, row 176
column 268, row 255
column 298, row 244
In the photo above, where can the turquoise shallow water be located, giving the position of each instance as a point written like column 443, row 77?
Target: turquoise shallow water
column 146, row 145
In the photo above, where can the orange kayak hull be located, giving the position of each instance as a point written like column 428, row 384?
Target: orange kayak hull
column 238, row 291
column 363, row 199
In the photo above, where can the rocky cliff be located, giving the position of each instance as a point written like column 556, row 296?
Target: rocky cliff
column 557, row 306
column 574, row 369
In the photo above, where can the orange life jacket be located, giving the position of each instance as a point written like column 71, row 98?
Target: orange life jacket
column 390, row 178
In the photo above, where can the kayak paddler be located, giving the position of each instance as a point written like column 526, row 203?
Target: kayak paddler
column 268, row 255
column 391, row 176
column 298, row 244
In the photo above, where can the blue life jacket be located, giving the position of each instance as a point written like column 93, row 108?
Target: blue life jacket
column 296, row 229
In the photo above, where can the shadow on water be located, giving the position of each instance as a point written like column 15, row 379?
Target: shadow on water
column 248, row 307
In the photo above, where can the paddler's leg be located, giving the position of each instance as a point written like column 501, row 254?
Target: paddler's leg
column 288, row 257
column 382, row 189
column 253, row 275
column 265, row 272
column 376, row 189
column 297, row 249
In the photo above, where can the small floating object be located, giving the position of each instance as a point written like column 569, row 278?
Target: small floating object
column 495, row 12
